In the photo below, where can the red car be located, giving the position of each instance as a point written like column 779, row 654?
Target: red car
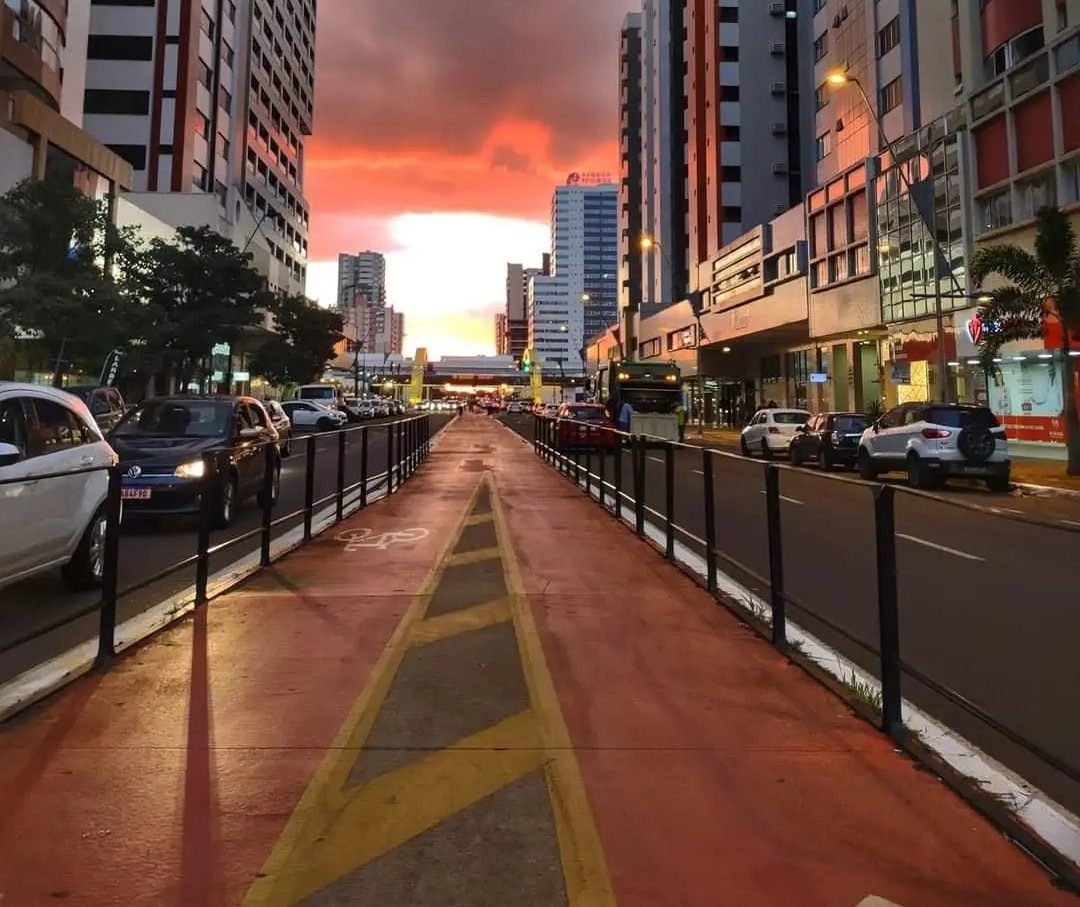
column 583, row 425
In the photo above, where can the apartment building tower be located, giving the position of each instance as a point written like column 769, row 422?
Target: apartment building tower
column 746, row 80
column 502, row 335
column 517, row 304
column 631, row 288
column 210, row 99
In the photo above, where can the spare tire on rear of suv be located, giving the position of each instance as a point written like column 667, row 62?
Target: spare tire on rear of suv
column 976, row 442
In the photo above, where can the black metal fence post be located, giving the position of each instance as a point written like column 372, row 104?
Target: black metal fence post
column 588, row 471
column 617, row 465
column 411, row 428
column 669, row 501
column 309, row 486
column 210, row 499
column 110, row 570
column 776, row 557
column 888, row 609
column 637, row 458
column 710, row 519
column 536, row 433
column 389, row 459
column 403, row 454
column 363, row 465
column 339, row 514
column 269, row 466
column 427, row 435
column 602, row 474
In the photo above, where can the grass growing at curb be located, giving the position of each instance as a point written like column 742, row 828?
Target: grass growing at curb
column 864, row 692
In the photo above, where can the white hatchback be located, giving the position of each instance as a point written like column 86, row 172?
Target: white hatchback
column 53, row 485
column 771, row 430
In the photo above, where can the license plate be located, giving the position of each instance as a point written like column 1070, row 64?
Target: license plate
column 135, row 494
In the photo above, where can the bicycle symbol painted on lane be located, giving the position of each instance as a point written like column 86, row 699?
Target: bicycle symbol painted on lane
column 359, row 539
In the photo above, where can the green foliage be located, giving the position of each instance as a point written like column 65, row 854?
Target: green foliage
column 59, row 256
column 302, row 345
column 1038, row 282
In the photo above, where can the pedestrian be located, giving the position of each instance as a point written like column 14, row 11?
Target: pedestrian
column 625, row 414
column 680, row 414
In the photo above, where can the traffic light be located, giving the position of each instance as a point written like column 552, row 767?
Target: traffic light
column 526, row 366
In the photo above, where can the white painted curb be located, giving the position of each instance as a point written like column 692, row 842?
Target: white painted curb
column 40, row 681
column 1056, row 825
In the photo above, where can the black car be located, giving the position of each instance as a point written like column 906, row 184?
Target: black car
column 161, row 443
column 829, row 439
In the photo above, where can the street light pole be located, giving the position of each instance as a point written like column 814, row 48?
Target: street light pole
column 840, row 79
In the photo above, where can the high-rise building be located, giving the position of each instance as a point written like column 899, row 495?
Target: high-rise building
column 502, row 335
column 746, row 81
column 211, row 100
column 41, row 63
column 396, row 341
column 585, row 247
column 364, row 274
column 631, row 287
column 517, row 305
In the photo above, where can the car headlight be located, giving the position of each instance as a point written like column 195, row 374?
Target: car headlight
column 196, row 469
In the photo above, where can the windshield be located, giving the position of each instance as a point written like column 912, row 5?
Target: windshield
column 318, row 393
column 587, row 413
column 177, row 419
column 790, row 418
column 850, row 424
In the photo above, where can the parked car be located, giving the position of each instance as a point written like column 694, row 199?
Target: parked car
column 770, row 431
column 106, row 405
column 161, row 444
column 829, row 439
column 49, row 523
column 583, row 425
column 282, row 424
column 932, row 442
column 309, row 416
column 515, row 408
column 355, row 409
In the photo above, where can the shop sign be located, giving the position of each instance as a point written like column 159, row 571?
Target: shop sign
column 818, row 377
column 901, row 373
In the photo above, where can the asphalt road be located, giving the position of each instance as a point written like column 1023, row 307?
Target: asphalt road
column 148, row 546
column 988, row 603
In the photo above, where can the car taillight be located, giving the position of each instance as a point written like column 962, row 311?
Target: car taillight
column 773, row 430
column 935, row 433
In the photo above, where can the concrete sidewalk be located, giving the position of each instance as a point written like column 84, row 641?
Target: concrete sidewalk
column 481, row 692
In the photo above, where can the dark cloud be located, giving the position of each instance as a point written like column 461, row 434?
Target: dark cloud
column 503, row 157
column 437, row 75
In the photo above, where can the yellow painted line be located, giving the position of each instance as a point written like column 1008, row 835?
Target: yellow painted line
column 588, row 883
column 317, row 803
column 479, row 519
column 473, row 557
column 432, row 629
column 394, row 808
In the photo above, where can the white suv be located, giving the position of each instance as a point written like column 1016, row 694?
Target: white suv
column 933, row 441
column 47, row 523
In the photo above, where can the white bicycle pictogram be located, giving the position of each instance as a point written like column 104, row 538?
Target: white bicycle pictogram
column 357, row 539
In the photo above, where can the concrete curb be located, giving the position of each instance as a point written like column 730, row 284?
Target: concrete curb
column 46, row 678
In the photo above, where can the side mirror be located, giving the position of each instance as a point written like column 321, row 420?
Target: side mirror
column 9, row 454
column 805, row 429
column 250, row 434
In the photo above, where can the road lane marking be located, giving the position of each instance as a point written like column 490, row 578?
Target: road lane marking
column 784, row 497
column 1071, row 522
column 657, row 459
column 935, row 545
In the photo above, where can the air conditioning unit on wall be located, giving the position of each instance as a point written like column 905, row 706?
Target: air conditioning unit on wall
column 778, row 87
column 777, row 48
column 776, row 9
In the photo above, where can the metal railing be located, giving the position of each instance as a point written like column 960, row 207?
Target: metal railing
column 625, row 497
column 408, row 443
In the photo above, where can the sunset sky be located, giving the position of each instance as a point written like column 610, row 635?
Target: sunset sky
column 441, row 129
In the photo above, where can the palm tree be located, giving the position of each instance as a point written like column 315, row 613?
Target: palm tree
column 1039, row 285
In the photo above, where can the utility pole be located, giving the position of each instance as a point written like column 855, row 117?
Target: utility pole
column 356, row 368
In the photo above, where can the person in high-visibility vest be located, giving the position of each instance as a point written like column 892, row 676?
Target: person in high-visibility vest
column 680, row 414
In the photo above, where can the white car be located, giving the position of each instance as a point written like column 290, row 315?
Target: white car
column 933, row 441
column 311, row 416
column 770, row 431
column 515, row 408
column 49, row 523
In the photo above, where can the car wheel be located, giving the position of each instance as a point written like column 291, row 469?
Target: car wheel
column 1000, row 484
column 226, row 511
column 918, row 475
column 324, row 424
column 765, row 451
column 796, row 460
column 744, row 447
column 87, row 565
column 824, row 461
column 275, row 488
column 867, row 472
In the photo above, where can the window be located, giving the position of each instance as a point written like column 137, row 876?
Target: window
column 13, row 424
column 119, row 47
column 57, row 428
column 821, row 46
column 202, row 125
column 819, row 5
column 206, row 24
column 227, row 54
column 888, row 37
column 729, row 133
column 199, row 176
column 133, row 154
column 1035, row 193
column 730, row 174
column 823, row 146
column 206, row 77
column 117, row 101
column 995, row 211
column 729, row 14
column 821, row 96
column 891, row 96
column 729, row 93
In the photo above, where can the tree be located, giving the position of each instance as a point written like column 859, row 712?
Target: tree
column 61, row 265
column 1041, row 286
column 200, row 290
column 302, row 345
